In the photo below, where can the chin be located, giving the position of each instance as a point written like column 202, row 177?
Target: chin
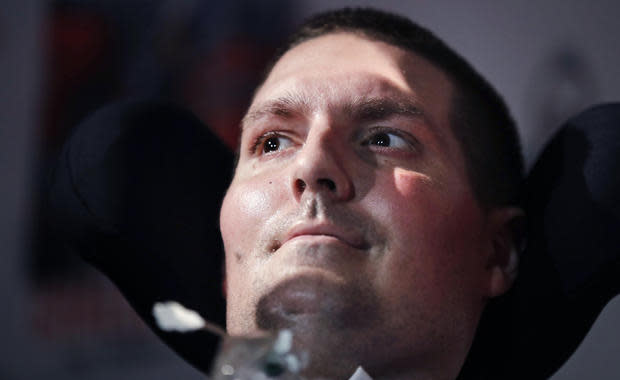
column 310, row 303
column 329, row 320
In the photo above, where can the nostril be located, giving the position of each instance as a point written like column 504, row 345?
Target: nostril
column 300, row 185
column 328, row 183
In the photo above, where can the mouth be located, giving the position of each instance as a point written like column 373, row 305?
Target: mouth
column 323, row 233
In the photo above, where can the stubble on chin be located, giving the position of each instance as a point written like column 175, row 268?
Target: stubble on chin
column 337, row 337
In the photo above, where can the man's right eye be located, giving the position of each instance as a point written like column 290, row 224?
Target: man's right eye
column 272, row 142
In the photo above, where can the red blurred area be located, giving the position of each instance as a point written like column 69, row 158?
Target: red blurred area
column 79, row 70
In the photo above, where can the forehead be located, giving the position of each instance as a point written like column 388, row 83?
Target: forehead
column 346, row 68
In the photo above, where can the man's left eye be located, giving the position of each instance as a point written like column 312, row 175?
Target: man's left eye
column 387, row 140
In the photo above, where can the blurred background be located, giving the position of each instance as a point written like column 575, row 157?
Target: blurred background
column 62, row 59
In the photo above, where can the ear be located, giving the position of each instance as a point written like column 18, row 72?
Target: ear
column 507, row 229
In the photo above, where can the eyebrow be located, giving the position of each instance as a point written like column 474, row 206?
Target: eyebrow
column 381, row 108
column 361, row 109
column 285, row 107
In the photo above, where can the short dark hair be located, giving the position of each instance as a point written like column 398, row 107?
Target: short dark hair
column 480, row 119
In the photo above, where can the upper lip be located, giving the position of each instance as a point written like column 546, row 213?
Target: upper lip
column 349, row 236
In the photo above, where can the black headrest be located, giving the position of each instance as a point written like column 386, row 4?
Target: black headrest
column 571, row 266
column 137, row 191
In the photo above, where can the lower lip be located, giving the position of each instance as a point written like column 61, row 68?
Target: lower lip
column 326, row 239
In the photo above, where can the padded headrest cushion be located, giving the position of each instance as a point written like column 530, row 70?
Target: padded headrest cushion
column 571, row 267
column 137, row 191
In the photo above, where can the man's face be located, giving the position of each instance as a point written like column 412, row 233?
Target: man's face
column 350, row 218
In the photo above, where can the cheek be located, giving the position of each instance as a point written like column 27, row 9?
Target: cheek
column 433, row 229
column 245, row 207
column 245, row 210
column 406, row 182
column 429, row 205
column 406, row 201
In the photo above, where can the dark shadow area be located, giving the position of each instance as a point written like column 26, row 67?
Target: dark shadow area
column 571, row 267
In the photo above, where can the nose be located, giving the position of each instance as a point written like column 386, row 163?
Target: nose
column 320, row 167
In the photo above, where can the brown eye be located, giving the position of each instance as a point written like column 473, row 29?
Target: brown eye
column 271, row 144
column 380, row 139
column 275, row 143
column 387, row 140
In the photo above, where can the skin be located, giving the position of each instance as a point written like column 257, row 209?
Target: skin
column 351, row 219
